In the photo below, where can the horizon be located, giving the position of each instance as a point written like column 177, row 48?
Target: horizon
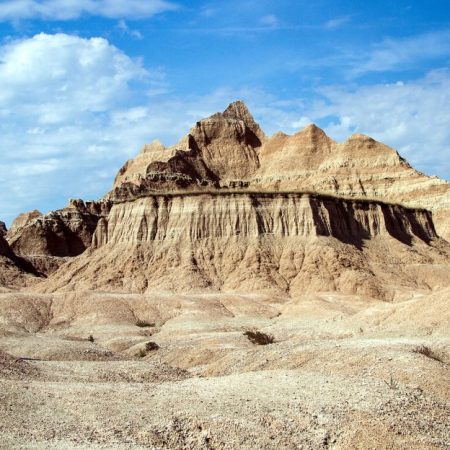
column 85, row 85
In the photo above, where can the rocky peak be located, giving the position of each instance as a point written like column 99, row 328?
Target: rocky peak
column 24, row 219
column 238, row 110
column 360, row 145
column 155, row 146
column 314, row 139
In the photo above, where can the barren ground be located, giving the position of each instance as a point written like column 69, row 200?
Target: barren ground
column 344, row 372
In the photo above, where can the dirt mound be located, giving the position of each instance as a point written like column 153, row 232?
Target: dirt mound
column 15, row 368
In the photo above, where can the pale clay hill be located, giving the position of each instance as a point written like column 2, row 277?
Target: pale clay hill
column 122, row 320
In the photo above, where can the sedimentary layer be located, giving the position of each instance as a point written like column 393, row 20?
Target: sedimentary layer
column 289, row 243
column 229, row 150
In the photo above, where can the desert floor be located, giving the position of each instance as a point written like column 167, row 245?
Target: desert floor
column 344, row 372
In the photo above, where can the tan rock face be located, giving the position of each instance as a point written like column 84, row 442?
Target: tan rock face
column 222, row 149
column 135, row 170
column 360, row 167
column 285, row 243
column 42, row 239
column 24, row 219
column 14, row 272
column 230, row 150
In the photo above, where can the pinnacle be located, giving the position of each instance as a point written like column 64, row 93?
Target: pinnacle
column 238, row 110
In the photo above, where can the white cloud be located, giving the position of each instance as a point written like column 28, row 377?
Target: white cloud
column 50, row 78
column 123, row 26
column 336, row 23
column 412, row 117
column 73, row 9
column 57, row 98
column 405, row 53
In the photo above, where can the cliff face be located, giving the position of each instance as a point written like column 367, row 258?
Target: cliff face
column 285, row 243
column 230, row 150
column 360, row 167
column 46, row 240
column 223, row 215
column 14, row 272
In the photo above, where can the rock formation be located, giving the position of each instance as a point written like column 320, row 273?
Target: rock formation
column 220, row 150
column 46, row 240
column 3, row 229
column 297, row 240
column 14, row 272
column 358, row 167
column 289, row 243
column 229, row 209
column 230, row 150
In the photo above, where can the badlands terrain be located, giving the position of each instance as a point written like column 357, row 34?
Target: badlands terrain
column 233, row 291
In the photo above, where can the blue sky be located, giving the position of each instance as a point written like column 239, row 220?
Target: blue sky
column 84, row 83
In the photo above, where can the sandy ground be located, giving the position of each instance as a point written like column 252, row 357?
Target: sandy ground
column 344, row 372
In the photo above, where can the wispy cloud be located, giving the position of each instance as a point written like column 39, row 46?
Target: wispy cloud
column 15, row 10
column 405, row 53
column 270, row 20
column 336, row 22
column 123, row 26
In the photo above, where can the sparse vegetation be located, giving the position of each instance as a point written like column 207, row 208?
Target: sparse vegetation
column 392, row 384
column 259, row 338
column 144, row 324
column 426, row 351
column 149, row 347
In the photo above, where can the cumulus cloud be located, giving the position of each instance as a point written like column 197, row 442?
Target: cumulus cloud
column 73, row 9
column 57, row 96
column 411, row 116
column 50, row 78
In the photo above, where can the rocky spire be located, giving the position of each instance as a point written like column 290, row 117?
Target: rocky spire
column 238, row 110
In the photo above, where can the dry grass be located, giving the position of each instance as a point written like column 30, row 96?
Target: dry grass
column 426, row 351
column 149, row 347
column 259, row 338
column 392, row 384
column 144, row 324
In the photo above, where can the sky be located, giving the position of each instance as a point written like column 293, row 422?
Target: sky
column 85, row 83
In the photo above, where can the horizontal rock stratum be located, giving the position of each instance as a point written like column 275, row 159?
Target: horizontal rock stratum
column 258, row 242
column 308, row 160
column 228, row 208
